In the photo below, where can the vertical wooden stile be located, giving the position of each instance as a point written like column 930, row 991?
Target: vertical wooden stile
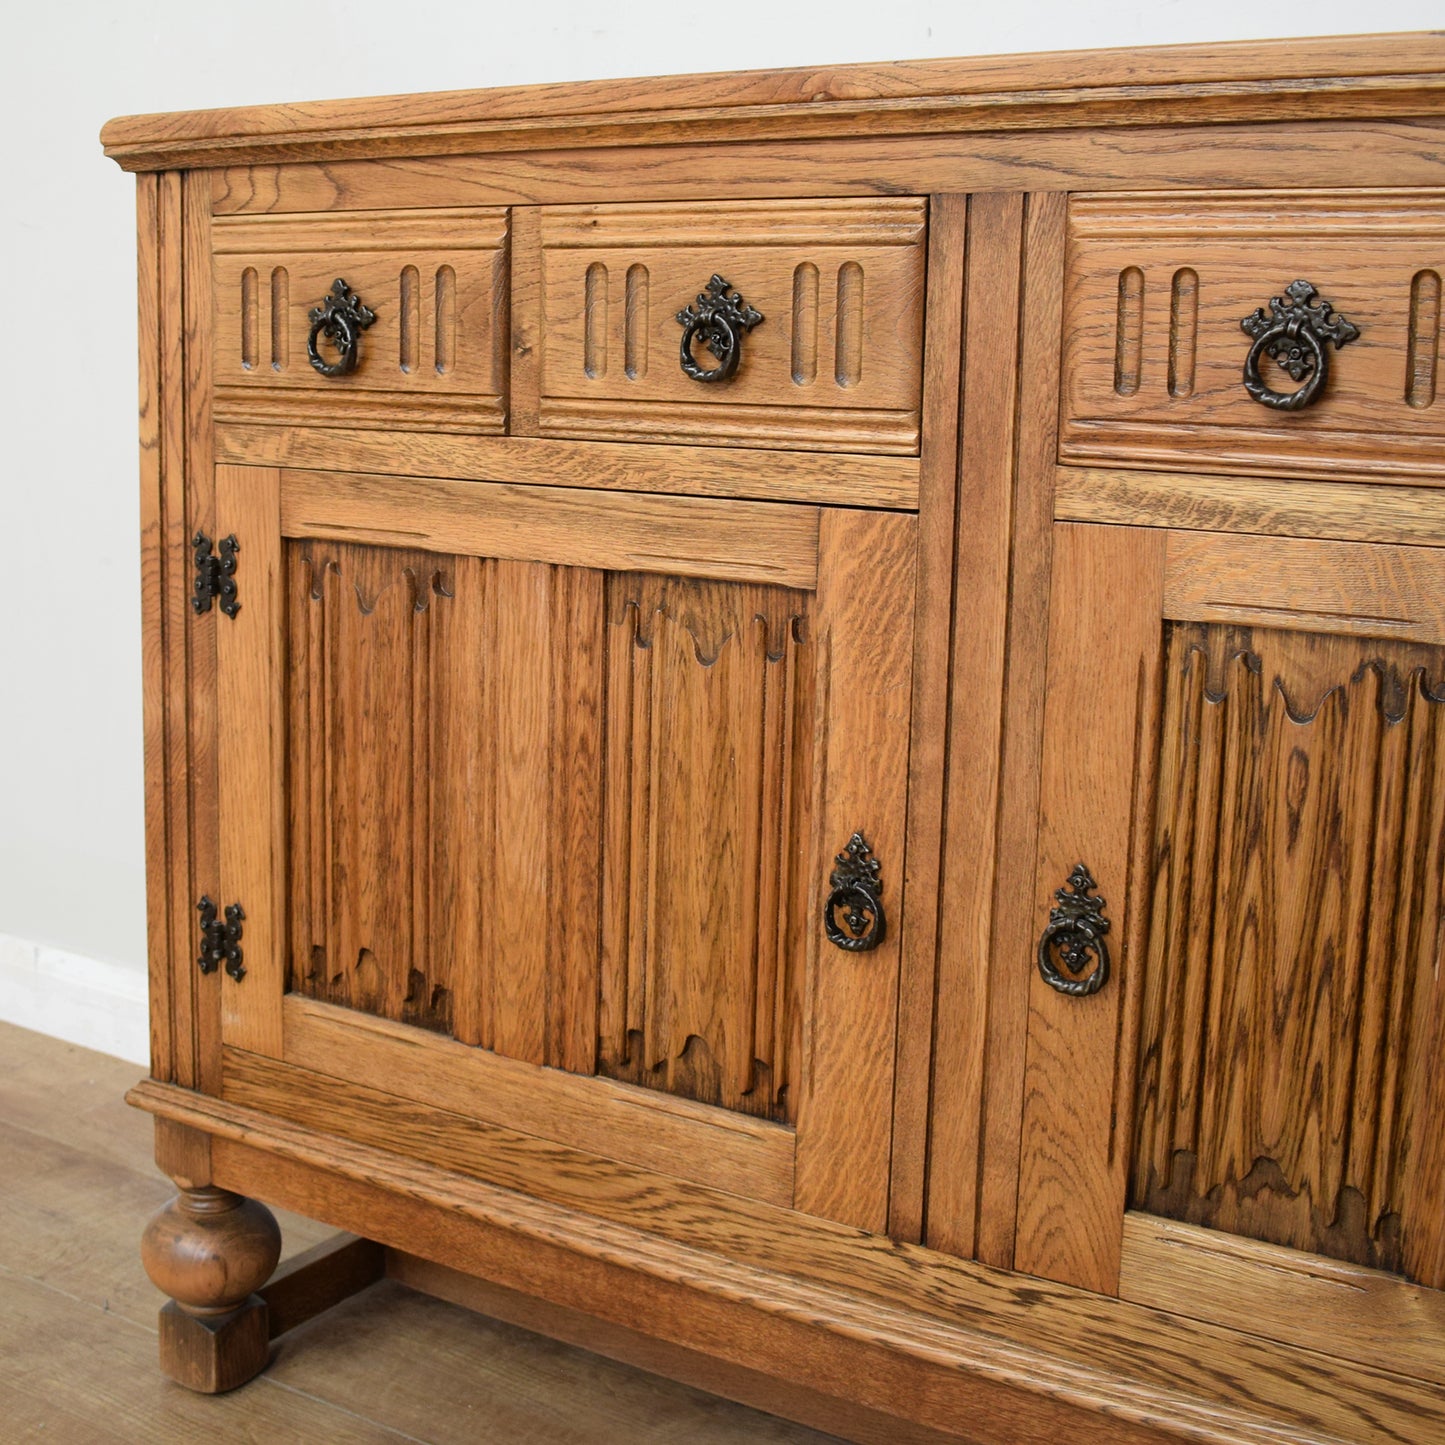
column 938, row 473
column 980, row 602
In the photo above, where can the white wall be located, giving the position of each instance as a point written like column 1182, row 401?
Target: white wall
column 70, row 728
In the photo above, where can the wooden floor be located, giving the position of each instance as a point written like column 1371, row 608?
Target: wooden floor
column 78, row 1316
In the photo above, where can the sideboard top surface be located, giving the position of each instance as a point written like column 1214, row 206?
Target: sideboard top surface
column 1384, row 77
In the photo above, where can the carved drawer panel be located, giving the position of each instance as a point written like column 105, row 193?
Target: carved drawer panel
column 833, row 359
column 430, row 353
column 1155, row 345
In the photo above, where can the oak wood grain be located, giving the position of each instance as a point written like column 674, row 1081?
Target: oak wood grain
column 980, row 551
column 1378, row 152
column 866, row 597
column 616, row 277
column 252, row 739
column 936, row 492
column 1335, row 1308
column 1306, row 585
column 564, row 526
column 1023, row 709
column 1291, row 998
column 846, row 478
column 654, row 1130
column 1365, row 254
column 1392, row 75
column 1195, row 501
column 1003, row 1345
column 1103, row 685
column 194, row 696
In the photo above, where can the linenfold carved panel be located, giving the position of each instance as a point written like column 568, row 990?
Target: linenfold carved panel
column 443, row 862
column 835, row 361
column 560, row 814
column 1294, row 1005
column 436, row 352
column 710, row 755
column 1154, row 354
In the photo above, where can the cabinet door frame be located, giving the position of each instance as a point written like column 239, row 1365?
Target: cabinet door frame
column 836, row 1162
column 1113, row 590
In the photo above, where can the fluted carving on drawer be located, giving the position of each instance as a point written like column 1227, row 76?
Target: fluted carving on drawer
column 1294, row 1008
column 710, row 756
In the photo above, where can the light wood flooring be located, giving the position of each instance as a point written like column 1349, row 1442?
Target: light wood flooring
column 78, row 1317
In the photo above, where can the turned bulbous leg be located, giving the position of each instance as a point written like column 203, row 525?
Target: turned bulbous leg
column 210, row 1250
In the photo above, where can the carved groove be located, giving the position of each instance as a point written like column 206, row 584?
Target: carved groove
column 1129, row 331
column 848, row 356
column 1183, row 331
column 635, row 322
column 594, row 335
column 250, row 320
column 698, row 839
column 409, row 312
column 446, row 319
column 805, row 324
column 280, row 312
column 1292, row 969
column 1423, row 353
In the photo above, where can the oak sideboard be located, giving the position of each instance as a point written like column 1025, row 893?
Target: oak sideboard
column 795, row 729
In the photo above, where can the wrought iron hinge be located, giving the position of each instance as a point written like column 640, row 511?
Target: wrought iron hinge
column 221, row 939
column 215, row 576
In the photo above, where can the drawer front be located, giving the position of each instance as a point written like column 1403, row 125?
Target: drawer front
column 834, row 363
column 1155, row 353
column 435, row 354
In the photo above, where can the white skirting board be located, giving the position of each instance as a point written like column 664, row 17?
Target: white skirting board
column 87, row 1001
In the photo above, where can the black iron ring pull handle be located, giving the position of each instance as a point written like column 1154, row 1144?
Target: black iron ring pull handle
column 853, row 916
column 719, row 318
column 1075, row 938
column 340, row 319
column 1294, row 335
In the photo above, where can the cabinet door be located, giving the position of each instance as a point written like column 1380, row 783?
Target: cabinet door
column 1245, row 748
column 532, row 795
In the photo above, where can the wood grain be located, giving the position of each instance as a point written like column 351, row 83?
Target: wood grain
column 1022, row 724
column 1291, row 994
column 936, row 1340
column 563, row 526
column 864, row 637
column 152, row 260
column 1364, row 251
column 194, row 695
column 937, row 488
column 980, row 551
column 1098, row 723
column 1198, row 502
column 525, row 380
column 1393, row 75
column 1314, row 586
column 710, row 753
column 1343, row 1310
column 601, row 377
column 849, row 478
column 650, row 1129
column 436, row 281
column 1365, row 153
column 252, row 731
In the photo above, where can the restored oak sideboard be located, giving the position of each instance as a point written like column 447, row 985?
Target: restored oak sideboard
column 795, row 728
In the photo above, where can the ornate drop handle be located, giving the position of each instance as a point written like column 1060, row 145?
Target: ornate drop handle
column 853, row 916
column 1075, row 936
column 721, row 318
column 341, row 318
column 1294, row 334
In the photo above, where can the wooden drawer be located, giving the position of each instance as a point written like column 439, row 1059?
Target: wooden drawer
column 1154, row 350
column 435, row 355
column 835, row 362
